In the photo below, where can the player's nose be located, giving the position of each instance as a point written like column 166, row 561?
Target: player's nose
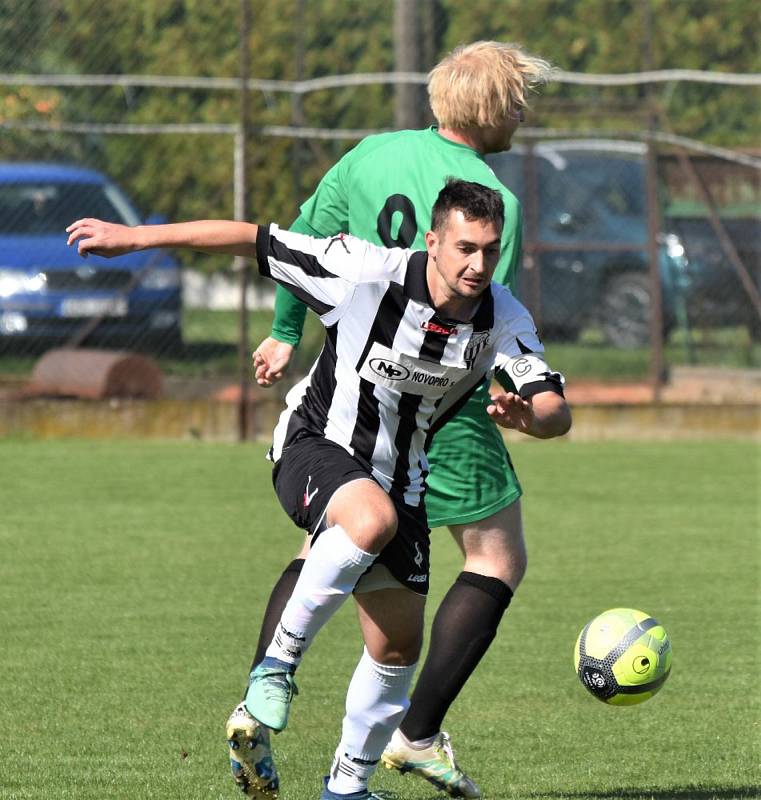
column 477, row 262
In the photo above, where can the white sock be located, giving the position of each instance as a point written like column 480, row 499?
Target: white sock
column 375, row 705
column 330, row 573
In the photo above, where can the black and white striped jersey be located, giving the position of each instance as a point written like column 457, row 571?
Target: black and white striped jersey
column 391, row 371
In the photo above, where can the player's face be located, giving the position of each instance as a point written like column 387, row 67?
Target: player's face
column 465, row 254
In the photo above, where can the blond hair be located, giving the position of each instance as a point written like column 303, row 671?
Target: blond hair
column 483, row 83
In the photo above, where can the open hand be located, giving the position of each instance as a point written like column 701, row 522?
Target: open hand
column 510, row 410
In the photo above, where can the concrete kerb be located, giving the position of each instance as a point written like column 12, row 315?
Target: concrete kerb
column 697, row 404
column 217, row 420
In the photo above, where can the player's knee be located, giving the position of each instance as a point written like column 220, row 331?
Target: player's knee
column 401, row 651
column 366, row 513
column 508, row 567
column 372, row 528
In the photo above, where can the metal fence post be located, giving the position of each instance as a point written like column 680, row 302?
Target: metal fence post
column 656, row 294
column 653, row 217
column 407, row 106
column 241, row 213
column 531, row 255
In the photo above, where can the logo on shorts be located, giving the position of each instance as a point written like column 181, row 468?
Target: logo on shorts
column 417, row 578
column 418, row 556
column 309, row 496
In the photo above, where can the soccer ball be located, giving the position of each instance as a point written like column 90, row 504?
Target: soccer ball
column 623, row 656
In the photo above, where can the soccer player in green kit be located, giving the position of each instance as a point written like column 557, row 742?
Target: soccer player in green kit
column 382, row 191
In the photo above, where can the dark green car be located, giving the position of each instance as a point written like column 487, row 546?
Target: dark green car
column 586, row 237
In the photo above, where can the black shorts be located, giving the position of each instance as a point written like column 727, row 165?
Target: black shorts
column 306, row 477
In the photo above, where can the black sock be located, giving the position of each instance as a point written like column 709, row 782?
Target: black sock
column 463, row 629
column 279, row 597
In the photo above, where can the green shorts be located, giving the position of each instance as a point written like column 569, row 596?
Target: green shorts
column 471, row 475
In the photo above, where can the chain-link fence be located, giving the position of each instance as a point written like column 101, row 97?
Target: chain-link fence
column 640, row 193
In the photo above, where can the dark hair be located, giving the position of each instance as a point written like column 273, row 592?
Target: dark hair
column 476, row 201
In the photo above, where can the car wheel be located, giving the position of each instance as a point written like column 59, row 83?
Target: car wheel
column 625, row 310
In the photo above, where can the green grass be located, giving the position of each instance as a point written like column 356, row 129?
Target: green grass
column 133, row 575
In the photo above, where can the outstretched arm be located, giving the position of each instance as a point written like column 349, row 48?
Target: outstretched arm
column 543, row 415
column 209, row 236
column 273, row 354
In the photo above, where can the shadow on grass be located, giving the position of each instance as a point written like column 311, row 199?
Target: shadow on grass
column 676, row 793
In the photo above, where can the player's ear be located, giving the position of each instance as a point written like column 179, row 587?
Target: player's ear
column 432, row 244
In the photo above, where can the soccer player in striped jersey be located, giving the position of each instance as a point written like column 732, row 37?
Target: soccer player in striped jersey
column 381, row 191
column 409, row 336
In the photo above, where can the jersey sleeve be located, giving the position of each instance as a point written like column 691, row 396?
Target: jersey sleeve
column 322, row 273
column 290, row 312
column 325, row 213
column 519, row 353
column 297, row 262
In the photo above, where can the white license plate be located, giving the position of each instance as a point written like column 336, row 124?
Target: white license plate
column 94, row 307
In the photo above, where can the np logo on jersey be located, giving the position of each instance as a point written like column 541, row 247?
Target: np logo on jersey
column 389, row 369
column 400, row 372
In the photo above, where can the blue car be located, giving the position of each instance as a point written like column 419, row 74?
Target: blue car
column 48, row 292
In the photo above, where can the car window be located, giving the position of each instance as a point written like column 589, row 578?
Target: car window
column 571, row 183
column 508, row 167
column 47, row 208
column 579, row 184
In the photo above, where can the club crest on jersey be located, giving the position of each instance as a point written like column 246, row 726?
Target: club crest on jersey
column 340, row 238
column 477, row 343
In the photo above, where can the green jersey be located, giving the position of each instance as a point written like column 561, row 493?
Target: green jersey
column 383, row 191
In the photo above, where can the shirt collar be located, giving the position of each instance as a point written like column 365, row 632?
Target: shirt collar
column 416, row 288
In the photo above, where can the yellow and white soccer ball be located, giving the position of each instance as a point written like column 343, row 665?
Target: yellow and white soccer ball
column 623, row 656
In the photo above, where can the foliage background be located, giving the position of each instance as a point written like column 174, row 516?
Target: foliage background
column 188, row 177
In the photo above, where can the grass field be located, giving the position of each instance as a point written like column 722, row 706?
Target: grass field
column 133, row 575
